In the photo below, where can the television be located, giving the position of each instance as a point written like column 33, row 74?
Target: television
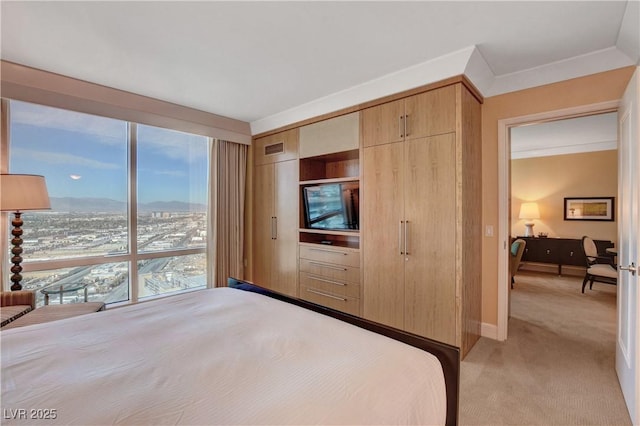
column 331, row 206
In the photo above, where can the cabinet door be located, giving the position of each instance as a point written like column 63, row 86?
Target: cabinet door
column 263, row 224
column 431, row 113
column 383, row 123
column 284, row 275
column 278, row 147
column 381, row 213
column 571, row 253
column 430, row 212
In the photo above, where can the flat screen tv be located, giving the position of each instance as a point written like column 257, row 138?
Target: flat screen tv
column 331, row 206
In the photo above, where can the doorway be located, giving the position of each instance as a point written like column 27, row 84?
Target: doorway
column 504, row 191
column 555, row 163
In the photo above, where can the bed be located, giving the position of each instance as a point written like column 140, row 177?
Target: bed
column 238, row 355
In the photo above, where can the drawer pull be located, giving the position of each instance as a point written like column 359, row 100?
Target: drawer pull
column 324, row 265
column 329, row 251
column 326, row 294
column 324, row 280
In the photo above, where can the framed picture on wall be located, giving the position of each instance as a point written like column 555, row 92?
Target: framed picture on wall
column 589, row 208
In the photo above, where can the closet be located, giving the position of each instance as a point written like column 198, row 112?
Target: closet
column 276, row 215
column 414, row 261
column 420, row 212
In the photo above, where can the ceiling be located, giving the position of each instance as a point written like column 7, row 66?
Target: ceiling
column 273, row 63
column 581, row 134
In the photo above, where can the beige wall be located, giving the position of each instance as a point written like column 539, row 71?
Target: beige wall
column 587, row 90
column 547, row 180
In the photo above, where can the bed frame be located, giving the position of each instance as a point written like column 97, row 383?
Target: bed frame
column 449, row 356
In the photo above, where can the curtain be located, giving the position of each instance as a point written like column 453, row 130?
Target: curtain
column 226, row 211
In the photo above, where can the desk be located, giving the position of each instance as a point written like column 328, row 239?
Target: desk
column 62, row 289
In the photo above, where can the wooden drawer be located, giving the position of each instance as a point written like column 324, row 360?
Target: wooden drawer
column 346, row 304
column 330, row 271
column 328, row 285
column 335, row 255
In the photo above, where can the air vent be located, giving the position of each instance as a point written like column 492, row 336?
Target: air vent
column 276, row 148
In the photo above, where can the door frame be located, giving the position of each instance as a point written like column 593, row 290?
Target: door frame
column 504, row 192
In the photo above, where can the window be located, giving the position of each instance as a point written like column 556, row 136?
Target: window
column 129, row 203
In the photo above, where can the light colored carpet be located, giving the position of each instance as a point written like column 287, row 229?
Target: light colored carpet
column 558, row 365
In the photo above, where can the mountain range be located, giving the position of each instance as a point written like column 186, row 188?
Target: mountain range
column 106, row 205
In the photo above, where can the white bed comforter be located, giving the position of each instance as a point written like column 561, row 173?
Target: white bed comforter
column 220, row 356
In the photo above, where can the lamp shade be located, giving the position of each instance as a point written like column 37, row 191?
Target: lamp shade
column 529, row 211
column 23, row 192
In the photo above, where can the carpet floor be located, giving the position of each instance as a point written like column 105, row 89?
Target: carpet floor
column 557, row 366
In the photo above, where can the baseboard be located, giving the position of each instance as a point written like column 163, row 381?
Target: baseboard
column 576, row 271
column 489, row 330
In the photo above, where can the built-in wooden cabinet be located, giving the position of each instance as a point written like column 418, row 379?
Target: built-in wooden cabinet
column 277, row 147
column 420, row 240
column 425, row 114
column 415, row 261
column 329, row 261
column 275, row 218
column 330, row 276
column 338, row 134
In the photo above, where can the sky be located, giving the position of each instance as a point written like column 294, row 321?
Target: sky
column 82, row 155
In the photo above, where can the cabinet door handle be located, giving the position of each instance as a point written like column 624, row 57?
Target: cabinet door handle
column 401, row 125
column 406, row 238
column 329, row 251
column 326, row 294
column 324, row 280
column 274, row 228
column 406, row 125
column 400, row 237
column 324, row 265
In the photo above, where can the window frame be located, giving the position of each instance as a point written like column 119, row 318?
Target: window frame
column 133, row 257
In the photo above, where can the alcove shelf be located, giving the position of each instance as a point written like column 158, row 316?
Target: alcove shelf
column 343, row 165
column 350, row 239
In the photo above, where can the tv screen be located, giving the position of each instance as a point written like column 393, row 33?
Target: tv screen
column 331, row 206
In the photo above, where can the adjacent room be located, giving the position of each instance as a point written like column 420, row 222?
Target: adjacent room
column 319, row 212
column 554, row 327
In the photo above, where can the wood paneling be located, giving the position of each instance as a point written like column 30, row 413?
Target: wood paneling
column 275, row 217
column 336, row 255
column 430, row 277
column 427, row 184
column 330, row 276
column 383, row 123
column 431, row 113
column 289, row 141
column 469, row 224
column 263, row 212
column 284, row 276
column 383, row 264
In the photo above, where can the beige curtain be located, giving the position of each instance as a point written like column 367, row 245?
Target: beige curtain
column 226, row 211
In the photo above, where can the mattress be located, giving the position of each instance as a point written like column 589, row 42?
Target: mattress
column 217, row 356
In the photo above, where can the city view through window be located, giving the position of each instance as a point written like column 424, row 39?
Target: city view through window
column 86, row 239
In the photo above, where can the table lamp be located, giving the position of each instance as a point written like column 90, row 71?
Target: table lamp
column 529, row 211
column 17, row 194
